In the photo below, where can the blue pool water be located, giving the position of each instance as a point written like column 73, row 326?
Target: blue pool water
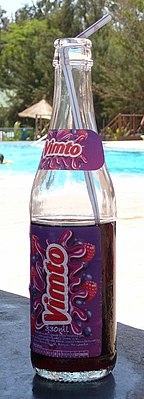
column 25, row 159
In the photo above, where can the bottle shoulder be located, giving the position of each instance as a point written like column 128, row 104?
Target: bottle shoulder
column 63, row 196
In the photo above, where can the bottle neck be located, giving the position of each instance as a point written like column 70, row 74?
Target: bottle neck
column 62, row 116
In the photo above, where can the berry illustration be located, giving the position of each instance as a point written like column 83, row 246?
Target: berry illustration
column 91, row 288
column 90, row 251
column 87, row 331
column 33, row 259
column 78, row 301
column 87, row 277
column 89, row 314
column 82, row 133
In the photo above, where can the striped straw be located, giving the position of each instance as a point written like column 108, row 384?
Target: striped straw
column 75, row 107
column 95, row 27
column 78, row 124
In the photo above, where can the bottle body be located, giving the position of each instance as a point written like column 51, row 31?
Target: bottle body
column 72, row 285
column 84, row 369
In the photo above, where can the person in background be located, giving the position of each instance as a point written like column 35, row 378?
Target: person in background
column 1, row 158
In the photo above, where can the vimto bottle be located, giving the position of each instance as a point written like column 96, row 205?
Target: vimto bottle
column 72, row 234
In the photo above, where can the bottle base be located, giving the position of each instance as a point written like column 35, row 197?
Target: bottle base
column 77, row 376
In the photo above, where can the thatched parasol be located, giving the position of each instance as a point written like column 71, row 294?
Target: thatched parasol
column 40, row 110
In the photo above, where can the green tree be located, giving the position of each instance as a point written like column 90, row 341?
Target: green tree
column 3, row 19
column 27, row 62
column 67, row 18
column 123, row 79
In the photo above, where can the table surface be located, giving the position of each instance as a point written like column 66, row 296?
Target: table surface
column 19, row 381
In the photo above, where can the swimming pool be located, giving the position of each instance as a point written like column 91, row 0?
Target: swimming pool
column 25, row 158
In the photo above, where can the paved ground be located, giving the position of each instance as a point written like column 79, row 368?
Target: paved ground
column 18, row 380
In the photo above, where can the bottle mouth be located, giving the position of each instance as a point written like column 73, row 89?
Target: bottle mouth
column 73, row 51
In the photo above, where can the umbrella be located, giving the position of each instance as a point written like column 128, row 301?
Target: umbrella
column 41, row 110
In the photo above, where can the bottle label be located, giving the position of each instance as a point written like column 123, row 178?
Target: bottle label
column 72, row 150
column 66, row 291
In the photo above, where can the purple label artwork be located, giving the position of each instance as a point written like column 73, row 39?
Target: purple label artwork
column 72, row 150
column 66, row 291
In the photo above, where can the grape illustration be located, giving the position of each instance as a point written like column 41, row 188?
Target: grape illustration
column 78, row 301
column 87, row 277
column 33, row 259
column 89, row 314
column 87, row 331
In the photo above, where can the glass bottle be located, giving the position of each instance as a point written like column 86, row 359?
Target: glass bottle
column 73, row 223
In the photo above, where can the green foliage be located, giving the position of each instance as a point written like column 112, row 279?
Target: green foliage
column 27, row 63
column 123, row 132
column 123, row 86
column 26, row 52
column 112, row 134
column 17, row 131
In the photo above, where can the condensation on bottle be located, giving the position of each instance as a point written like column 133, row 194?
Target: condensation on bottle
column 73, row 236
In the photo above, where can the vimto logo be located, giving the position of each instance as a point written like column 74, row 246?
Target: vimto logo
column 63, row 149
column 55, row 300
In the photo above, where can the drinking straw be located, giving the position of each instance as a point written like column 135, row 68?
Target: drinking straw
column 78, row 125
column 75, row 108
column 95, row 27
column 39, row 140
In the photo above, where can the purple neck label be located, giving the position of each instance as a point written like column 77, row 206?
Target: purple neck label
column 72, row 149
